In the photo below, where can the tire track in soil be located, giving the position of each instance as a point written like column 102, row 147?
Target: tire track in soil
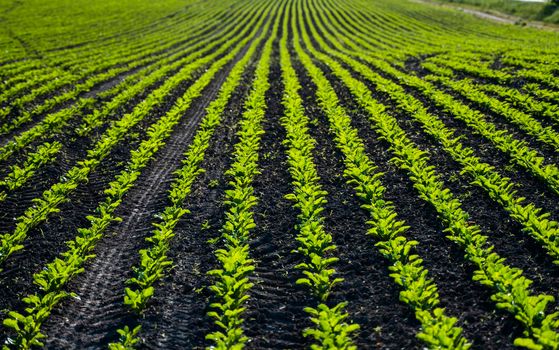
column 100, row 288
column 45, row 242
column 24, row 44
column 176, row 316
column 75, row 149
column 96, row 89
column 275, row 317
column 75, row 146
column 462, row 297
column 106, row 85
column 373, row 297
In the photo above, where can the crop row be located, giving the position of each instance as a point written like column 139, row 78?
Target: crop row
column 231, row 277
column 380, row 66
column 130, row 89
column 499, row 188
column 126, row 62
column 123, row 59
column 418, row 290
column 331, row 329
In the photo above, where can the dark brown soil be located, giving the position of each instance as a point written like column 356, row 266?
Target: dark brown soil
column 176, row 317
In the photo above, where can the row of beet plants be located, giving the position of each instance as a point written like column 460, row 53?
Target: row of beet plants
column 469, row 64
column 49, row 76
column 54, row 277
column 26, row 80
column 22, row 111
column 520, row 152
column 532, row 60
column 525, row 102
column 331, row 330
column 541, row 82
column 511, row 95
column 548, row 95
column 154, row 261
column 72, row 59
column 438, row 330
column 11, row 72
column 116, row 133
column 27, row 116
column 511, row 288
column 143, row 79
column 231, row 283
column 535, row 222
column 133, row 85
column 19, row 175
column 462, row 61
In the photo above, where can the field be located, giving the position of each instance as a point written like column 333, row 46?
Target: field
column 532, row 10
column 325, row 174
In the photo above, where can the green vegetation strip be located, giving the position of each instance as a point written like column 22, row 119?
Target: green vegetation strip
column 121, row 94
column 513, row 96
column 19, row 175
column 41, row 156
column 525, row 122
column 527, row 103
column 499, row 188
column 331, row 330
column 118, row 64
column 135, row 62
column 231, row 284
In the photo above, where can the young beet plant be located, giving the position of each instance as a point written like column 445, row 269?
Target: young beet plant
column 19, row 176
